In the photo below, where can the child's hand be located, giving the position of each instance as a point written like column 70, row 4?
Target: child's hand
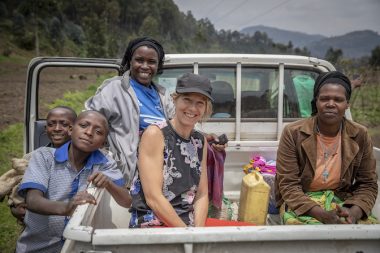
column 18, row 211
column 80, row 198
column 98, row 179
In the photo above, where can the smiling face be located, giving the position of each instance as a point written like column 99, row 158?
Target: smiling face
column 59, row 123
column 331, row 104
column 190, row 108
column 89, row 131
column 144, row 65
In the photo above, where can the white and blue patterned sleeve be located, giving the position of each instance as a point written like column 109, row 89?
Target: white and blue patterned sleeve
column 38, row 172
column 111, row 170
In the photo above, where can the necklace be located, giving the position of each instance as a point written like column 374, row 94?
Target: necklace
column 328, row 152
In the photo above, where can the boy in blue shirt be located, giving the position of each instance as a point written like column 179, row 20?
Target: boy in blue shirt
column 59, row 122
column 56, row 179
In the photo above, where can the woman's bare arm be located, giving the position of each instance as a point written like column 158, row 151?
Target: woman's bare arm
column 150, row 166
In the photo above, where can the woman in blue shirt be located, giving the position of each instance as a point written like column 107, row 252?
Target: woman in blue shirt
column 132, row 101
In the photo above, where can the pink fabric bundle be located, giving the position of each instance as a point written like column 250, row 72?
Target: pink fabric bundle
column 261, row 165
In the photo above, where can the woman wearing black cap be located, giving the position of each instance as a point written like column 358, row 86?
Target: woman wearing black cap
column 132, row 101
column 325, row 166
column 170, row 188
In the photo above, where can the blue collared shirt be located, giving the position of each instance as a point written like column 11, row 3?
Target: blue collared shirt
column 50, row 171
column 149, row 102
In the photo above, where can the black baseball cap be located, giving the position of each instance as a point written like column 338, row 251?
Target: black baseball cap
column 190, row 82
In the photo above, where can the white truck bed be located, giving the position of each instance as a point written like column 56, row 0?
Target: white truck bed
column 104, row 228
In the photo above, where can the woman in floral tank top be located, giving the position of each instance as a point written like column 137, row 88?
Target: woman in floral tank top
column 170, row 187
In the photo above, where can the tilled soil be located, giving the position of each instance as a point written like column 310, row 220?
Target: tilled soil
column 12, row 89
column 13, row 84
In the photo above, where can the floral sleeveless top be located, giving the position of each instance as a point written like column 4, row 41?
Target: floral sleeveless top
column 181, row 173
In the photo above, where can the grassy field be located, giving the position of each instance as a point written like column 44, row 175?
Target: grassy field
column 11, row 139
column 365, row 102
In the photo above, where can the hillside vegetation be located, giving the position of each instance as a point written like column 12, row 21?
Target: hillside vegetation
column 96, row 28
column 355, row 44
column 299, row 39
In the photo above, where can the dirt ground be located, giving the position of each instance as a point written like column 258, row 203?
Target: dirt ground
column 13, row 84
column 12, row 89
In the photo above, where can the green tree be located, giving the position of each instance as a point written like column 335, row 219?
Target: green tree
column 3, row 10
column 150, row 27
column 101, row 28
column 75, row 33
column 333, row 55
column 21, row 35
column 290, row 46
column 374, row 60
column 95, row 36
column 18, row 25
column 111, row 17
column 56, row 33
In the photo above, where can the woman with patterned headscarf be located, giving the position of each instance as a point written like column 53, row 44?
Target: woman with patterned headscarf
column 326, row 171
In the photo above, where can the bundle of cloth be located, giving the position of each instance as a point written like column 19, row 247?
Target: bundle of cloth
column 10, row 180
column 328, row 201
column 215, row 175
column 220, row 206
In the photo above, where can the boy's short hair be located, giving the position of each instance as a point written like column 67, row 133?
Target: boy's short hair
column 72, row 113
column 84, row 113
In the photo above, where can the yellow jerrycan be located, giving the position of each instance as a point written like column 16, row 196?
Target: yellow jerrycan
column 254, row 199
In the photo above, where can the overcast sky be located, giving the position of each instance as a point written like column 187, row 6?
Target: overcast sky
column 325, row 17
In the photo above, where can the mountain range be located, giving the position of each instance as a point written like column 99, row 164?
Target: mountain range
column 355, row 44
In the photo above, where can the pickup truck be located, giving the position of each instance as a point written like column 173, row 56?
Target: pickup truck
column 255, row 97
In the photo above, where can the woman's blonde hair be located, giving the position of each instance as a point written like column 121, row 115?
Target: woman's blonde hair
column 208, row 110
